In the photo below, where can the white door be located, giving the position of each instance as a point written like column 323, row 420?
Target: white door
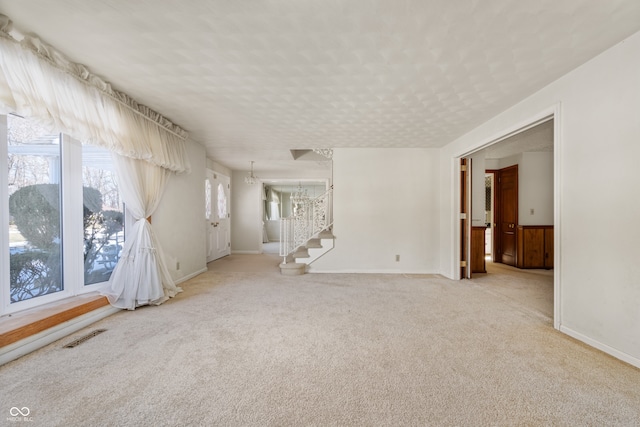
column 219, row 230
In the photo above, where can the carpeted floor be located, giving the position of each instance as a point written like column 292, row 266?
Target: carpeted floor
column 245, row 346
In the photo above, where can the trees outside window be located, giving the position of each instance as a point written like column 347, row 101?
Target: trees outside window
column 39, row 224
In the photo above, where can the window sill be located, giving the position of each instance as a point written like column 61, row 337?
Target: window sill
column 21, row 325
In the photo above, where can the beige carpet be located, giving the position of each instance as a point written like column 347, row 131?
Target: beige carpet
column 256, row 348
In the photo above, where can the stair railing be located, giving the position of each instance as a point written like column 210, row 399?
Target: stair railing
column 308, row 219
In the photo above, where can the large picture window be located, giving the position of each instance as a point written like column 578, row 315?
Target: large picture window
column 35, row 244
column 102, row 215
column 62, row 234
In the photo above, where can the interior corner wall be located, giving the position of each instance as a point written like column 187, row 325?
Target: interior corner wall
column 179, row 221
column 246, row 215
column 596, row 150
column 385, row 204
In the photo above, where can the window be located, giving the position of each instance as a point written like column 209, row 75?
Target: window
column 65, row 227
column 207, row 198
column 102, row 215
column 222, row 202
column 34, row 226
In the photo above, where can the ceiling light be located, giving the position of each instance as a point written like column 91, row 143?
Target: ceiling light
column 251, row 178
column 326, row 152
column 300, row 196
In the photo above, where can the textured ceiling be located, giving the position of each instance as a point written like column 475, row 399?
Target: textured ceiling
column 253, row 79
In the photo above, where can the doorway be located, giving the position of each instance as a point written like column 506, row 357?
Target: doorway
column 278, row 196
column 518, row 191
column 217, row 191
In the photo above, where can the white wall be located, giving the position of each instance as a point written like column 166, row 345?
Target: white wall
column 385, row 203
column 535, row 189
column 535, row 186
column 596, row 144
column 179, row 220
column 246, row 215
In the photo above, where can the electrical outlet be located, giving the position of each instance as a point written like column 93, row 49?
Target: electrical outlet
column 531, row 211
column 397, row 258
column 177, row 265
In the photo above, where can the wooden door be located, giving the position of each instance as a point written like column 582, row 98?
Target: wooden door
column 507, row 214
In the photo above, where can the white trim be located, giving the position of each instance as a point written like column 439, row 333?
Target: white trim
column 602, row 347
column 244, row 253
column 41, row 339
column 358, row 271
column 4, row 213
column 543, row 116
column 71, row 215
column 557, row 218
column 190, row 276
column 550, row 113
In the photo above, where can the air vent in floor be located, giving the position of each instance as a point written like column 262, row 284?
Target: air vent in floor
column 80, row 340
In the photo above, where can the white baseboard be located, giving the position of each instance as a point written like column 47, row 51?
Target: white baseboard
column 20, row 348
column 312, row 270
column 190, row 276
column 246, row 252
column 602, row 347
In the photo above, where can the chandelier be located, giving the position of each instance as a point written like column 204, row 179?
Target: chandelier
column 300, row 196
column 326, row 152
column 251, row 178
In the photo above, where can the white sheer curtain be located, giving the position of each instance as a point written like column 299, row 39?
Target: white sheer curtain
column 141, row 276
column 38, row 82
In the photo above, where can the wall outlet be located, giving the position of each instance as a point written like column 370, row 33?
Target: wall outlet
column 531, row 211
column 397, row 258
column 177, row 265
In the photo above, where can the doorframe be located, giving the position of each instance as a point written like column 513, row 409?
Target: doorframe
column 465, row 220
column 214, row 204
column 552, row 113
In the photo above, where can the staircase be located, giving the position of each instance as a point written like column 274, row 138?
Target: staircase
column 306, row 235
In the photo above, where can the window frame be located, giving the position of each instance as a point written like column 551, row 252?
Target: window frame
column 72, row 232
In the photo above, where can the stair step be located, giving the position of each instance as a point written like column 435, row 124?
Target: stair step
column 313, row 243
column 326, row 234
column 292, row 269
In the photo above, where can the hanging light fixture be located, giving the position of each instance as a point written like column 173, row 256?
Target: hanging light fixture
column 251, row 178
column 300, row 196
column 326, row 152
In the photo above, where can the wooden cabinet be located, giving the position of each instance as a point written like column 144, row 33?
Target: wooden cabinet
column 478, row 250
column 535, row 246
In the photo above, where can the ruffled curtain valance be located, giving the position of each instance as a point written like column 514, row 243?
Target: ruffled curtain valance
column 39, row 82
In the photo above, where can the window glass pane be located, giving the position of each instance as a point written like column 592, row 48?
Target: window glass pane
column 35, row 251
column 102, row 214
column 207, row 198
column 222, row 202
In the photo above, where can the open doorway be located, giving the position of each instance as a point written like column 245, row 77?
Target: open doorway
column 518, row 240
column 280, row 198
